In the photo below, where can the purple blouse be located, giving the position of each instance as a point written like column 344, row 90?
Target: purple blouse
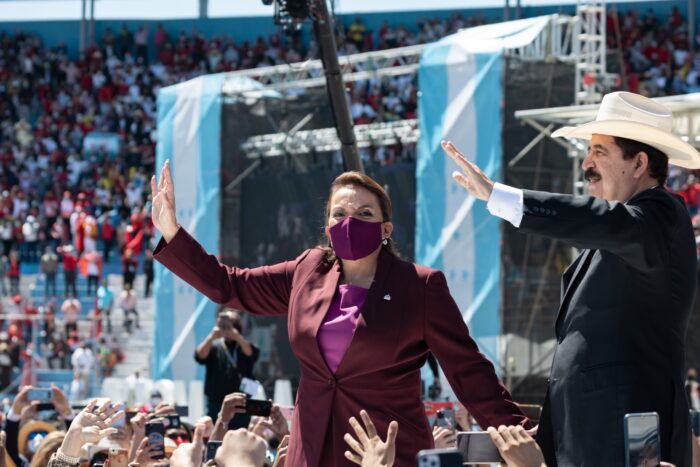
column 339, row 325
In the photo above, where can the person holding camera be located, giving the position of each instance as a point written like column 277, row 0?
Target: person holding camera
column 24, row 407
column 361, row 322
column 228, row 358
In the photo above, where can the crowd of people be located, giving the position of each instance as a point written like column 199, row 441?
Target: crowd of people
column 657, row 61
column 657, row 57
column 41, row 338
column 55, row 432
column 72, row 210
column 49, row 105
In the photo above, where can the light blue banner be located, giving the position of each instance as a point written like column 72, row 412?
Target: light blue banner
column 189, row 135
column 461, row 80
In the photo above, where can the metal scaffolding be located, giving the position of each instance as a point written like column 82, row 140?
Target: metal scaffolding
column 686, row 124
column 87, row 25
column 590, row 48
column 324, row 140
column 354, row 67
column 554, row 42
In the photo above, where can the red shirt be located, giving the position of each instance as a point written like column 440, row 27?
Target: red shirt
column 86, row 82
column 105, row 93
column 691, row 195
column 14, row 268
column 70, row 262
column 107, row 231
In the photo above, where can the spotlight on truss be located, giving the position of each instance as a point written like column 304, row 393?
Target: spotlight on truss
column 290, row 14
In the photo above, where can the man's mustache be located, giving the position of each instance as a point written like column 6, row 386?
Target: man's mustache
column 591, row 175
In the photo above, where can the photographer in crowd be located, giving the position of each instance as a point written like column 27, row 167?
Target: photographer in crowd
column 228, row 358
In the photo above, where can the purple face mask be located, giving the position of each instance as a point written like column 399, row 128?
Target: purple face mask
column 354, row 238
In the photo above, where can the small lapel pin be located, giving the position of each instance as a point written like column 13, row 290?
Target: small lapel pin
column 387, row 297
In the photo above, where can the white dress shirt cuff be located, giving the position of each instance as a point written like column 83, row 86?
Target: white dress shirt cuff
column 506, row 202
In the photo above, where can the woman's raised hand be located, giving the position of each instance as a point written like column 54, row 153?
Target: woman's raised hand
column 163, row 202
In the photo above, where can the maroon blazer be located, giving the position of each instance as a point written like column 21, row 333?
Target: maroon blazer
column 408, row 311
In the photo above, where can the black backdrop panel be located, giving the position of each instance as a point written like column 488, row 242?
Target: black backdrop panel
column 282, row 212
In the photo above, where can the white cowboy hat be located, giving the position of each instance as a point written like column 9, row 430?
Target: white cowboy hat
column 638, row 118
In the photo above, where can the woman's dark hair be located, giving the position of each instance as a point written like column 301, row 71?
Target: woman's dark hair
column 354, row 178
column 658, row 160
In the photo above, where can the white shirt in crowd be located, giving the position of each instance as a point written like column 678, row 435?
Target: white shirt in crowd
column 82, row 360
column 92, row 267
column 71, row 309
column 20, row 207
column 128, row 299
column 66, row 207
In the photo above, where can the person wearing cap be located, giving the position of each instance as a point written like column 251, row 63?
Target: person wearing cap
column 627, row 298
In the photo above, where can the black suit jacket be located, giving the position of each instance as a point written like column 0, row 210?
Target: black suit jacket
column 621, row 327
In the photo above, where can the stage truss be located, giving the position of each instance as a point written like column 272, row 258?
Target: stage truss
column 554, row 42
column 686, row 124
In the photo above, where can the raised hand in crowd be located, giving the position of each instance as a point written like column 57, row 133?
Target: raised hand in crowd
column 517, row 447
column 216, row 333
column 281, row 457
column 163, row 204
column 241, row 448
column 444, row 437
column 462, row 417
column 370, row 450
column 233, row 404
column 3, row 451
column 207, row 425
column 21, row 401
column 190, row 454
column 61, row 403
column 163, row 409
column 95, row 422
column 29, row 412
column 275, row 422
column 258, row 426
column 278, row 424
column 144, row 454
column 90, row 425
column 138, row 430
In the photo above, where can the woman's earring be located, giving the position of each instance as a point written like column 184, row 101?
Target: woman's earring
column 385, row 241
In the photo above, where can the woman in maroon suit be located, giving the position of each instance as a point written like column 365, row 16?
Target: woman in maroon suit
column 361, row 322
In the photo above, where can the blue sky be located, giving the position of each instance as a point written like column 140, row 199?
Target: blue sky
column 142, row 9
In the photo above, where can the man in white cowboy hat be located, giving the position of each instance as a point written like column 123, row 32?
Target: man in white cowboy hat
column 627, row 298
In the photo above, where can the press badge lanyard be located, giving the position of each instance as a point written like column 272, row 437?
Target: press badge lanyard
column 232, row 359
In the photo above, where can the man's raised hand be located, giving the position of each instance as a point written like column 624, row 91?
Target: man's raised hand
column 471, row 177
